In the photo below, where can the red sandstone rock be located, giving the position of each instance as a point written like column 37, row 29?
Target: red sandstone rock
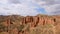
column 33, row 22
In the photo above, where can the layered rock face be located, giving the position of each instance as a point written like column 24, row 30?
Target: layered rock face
column 40, row 24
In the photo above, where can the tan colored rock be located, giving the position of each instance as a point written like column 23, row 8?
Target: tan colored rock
column 41, row 21
column 27, row 19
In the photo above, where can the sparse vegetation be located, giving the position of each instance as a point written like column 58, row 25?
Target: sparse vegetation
column 3, row 28
column 16, row 24
column 20, row 27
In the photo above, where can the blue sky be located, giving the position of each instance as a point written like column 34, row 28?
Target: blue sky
column 29, row 7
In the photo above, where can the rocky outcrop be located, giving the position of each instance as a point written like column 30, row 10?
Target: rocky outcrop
column 38, row 20
column 24, row 25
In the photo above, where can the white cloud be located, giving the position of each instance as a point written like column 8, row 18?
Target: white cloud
column 15, row 7
column 14, row 1
column 51, row 6
column 3, row 1
column 27, row 7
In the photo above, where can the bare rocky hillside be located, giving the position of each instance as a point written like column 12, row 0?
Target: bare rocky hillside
column 39, row 24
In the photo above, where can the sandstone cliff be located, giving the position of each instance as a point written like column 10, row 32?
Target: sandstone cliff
column 40, row 24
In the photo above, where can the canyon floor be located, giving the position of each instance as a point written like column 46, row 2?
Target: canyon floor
column 39, row 24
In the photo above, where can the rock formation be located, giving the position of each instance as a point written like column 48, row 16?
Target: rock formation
column 40, row 24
